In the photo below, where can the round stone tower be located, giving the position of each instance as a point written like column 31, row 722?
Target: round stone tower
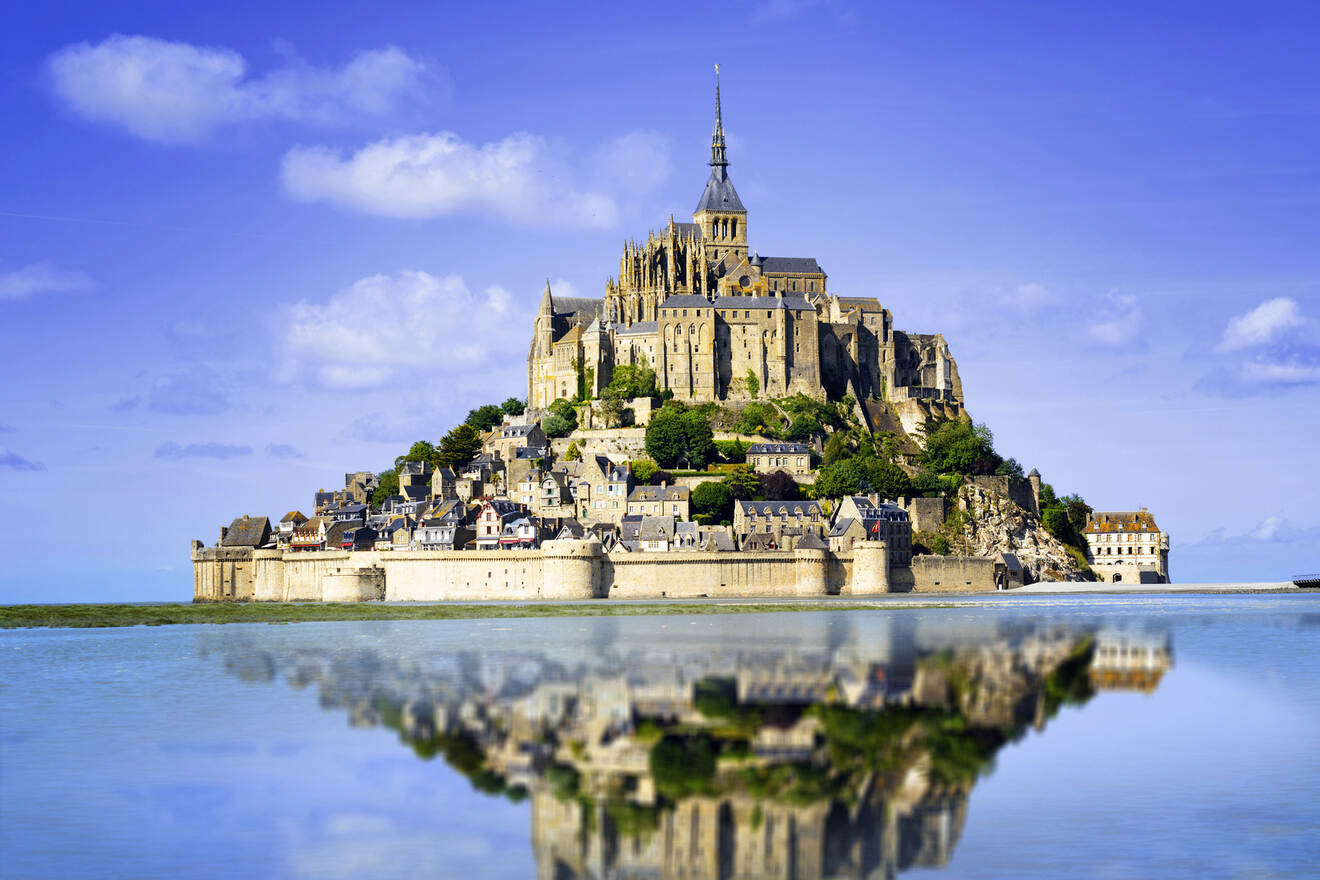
column 572, row 569
column 870, row 571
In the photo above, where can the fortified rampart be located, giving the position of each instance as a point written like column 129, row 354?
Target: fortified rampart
column 570, row 570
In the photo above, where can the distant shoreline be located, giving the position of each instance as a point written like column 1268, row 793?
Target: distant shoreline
column 121, row 614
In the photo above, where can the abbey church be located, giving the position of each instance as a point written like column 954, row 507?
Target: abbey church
column 718, row 321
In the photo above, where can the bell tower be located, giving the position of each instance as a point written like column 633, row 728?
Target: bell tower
column 720, row 213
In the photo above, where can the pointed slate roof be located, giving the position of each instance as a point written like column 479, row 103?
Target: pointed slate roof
column 719, row 194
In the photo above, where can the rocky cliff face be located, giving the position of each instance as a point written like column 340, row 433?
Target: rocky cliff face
column 987, row 522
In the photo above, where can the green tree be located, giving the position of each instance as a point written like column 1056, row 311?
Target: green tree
column 419, row 451
column 734, row 451
column 458, row 447
column 633, row 380
column 843, row 477
column 611, row 407
column 839, row 446
column 387, row 484
column 753, row 384
column 573, row 453
column 556, row 426
column 1009, row 467
column 561, row 407
column 712, row 502
column 744, row 482
column 956, row 446
column 483, row 418
column 886, row 478
column 676, row 435
column 644, row 471
column 513, row 407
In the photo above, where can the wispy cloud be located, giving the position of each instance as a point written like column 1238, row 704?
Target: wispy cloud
column 1270, row 530
column 194, row 392
column 523, row 178
column 172, row 91
column 10, row 460
column 411, row 326
column 42, row 277
column 283, row 450
column 1279, row 353
column 1118, row 321
column 1262, row 324
column 175, row 451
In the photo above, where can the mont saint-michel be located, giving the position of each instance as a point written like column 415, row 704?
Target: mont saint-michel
column 719, row 423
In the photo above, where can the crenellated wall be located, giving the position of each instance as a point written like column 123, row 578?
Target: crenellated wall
column 565, row 570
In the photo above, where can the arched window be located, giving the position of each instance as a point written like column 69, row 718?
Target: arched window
column 734, row 227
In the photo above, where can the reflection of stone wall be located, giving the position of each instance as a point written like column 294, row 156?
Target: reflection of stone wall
column 569, row 570
column 744, row 837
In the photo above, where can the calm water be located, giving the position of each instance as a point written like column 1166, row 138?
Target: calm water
column 1086, row 737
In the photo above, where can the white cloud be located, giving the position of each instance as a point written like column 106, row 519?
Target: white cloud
column 1261, row 324
column 1271, row 530
column 520, row 178
column 407, row 327
column 1281, row 372
column 1119, row 321
column 168, row 91
column 1030, row 296
column 222, row 451
column 42, row 277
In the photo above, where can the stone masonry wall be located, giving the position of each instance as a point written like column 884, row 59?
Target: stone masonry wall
column 565, row 570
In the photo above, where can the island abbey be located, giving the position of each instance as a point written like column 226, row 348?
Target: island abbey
column 717, row 321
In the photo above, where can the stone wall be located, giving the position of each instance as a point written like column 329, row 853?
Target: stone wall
column 1017, row 489
column 953, row 574
column 927, row 514
column 566, row 570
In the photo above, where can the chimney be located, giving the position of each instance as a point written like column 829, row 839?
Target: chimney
column 224, row 530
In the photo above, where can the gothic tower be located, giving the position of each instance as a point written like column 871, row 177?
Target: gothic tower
column 720, row 213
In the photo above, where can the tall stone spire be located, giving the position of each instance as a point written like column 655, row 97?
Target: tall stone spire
column 717, row 156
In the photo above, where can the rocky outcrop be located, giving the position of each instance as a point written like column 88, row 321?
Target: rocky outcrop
column 987, row 522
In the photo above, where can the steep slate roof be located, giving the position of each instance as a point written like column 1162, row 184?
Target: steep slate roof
column 719, row 194
column 656, row 528
column 294, row 516
column 528, row 453
column 581, row 307
column 415, row 469
column 810, row 541
column 777, row 449
column 247, row 531
column 718, row 540
column 639, row 328
column 511, row 431
column 792, row 265
column 841, row 526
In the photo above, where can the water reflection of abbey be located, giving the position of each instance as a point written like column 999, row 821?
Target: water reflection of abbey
column 661, row 751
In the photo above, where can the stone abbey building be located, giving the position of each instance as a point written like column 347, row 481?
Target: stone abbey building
column 717, row 321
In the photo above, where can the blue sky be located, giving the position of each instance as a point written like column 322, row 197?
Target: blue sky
column 245, row 249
